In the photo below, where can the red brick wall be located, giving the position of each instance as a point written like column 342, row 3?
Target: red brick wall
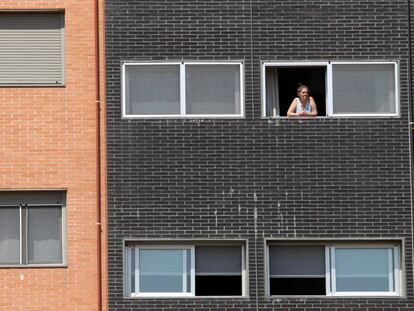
column 48, row 141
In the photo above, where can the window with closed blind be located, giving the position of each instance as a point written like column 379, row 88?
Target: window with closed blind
column 32, row 228
column 31, row 48
column 182, row 89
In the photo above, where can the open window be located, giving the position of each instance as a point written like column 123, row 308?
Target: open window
column 281, row 82
column 167, row 270
column 335, row 269
column 340, row 89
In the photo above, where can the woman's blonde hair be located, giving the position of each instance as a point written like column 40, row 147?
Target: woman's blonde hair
column 301, row 87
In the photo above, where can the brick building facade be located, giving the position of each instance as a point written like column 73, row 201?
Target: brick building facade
column 50, row 174
column 191, row 186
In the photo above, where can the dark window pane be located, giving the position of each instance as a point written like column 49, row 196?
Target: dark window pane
column 218, row 259
column 297, row 286
column 44, row 235
column 297, row 260
column 9, row 235
column 209, row 285
column 281, row 84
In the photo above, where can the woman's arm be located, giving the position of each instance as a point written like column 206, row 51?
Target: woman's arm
column 292, row 109
column 314, row 111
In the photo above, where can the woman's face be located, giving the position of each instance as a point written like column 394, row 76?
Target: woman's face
column 303, row 93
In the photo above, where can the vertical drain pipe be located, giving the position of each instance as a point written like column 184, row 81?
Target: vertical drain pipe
column 251, row 57
column 256, row 276
column 98, row 156
column 410, row 129
column 253, row 117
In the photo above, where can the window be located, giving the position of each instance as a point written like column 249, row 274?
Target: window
column 297, row 270
column 182, row 89
column 339, row 88
column 188, row 270
column 31, row 48
column 334, row 270
column 31, row 227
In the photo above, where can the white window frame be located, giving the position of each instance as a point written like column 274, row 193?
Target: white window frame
column 329, row 85
column 135, row 248
column 24, row 261
column 395, row 270
column 183, row 106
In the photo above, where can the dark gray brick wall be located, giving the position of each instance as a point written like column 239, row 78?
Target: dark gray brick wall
column 199, row 179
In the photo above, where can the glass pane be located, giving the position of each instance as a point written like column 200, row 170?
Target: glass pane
column 163, row 270
column 366, row 88
column 213, row 89
column 44, row 235
column 152, row 89
column 218, row 285
column 363, row 270
column 132, row 258
column 297, row 286
column 218, row 259
column 188, row 272
column 297, row 260
column 9, row 235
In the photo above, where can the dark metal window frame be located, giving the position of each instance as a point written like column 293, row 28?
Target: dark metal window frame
column 23, row 236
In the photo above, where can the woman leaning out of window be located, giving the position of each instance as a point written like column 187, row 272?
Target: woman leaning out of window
column 303, row 105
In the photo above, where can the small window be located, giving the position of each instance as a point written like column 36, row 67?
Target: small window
column 164, row 271
column 297, row 270
column 31, row 228
column 334, row 270
column 281, row 83
column 218, row 271
column 364, row 270
column 360, row 89
column 190, row 270
column 182, row 90
column 31, row 48
column 338, row 88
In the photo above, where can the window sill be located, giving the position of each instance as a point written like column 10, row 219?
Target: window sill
column 34, row 266
column 27, row 85
column 354, row 116
column 175, row 117
column 183, row 297
column 333, row 296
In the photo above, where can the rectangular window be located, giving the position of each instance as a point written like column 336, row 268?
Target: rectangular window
column 164, row 271
column 339, row 89
column 369, row 271
column 218, row 271
column 182, row 89
column 359, row 89
column 31, row 48
column 31, row 228
column 297, row 270
column 334, row 270
column 189, row 270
